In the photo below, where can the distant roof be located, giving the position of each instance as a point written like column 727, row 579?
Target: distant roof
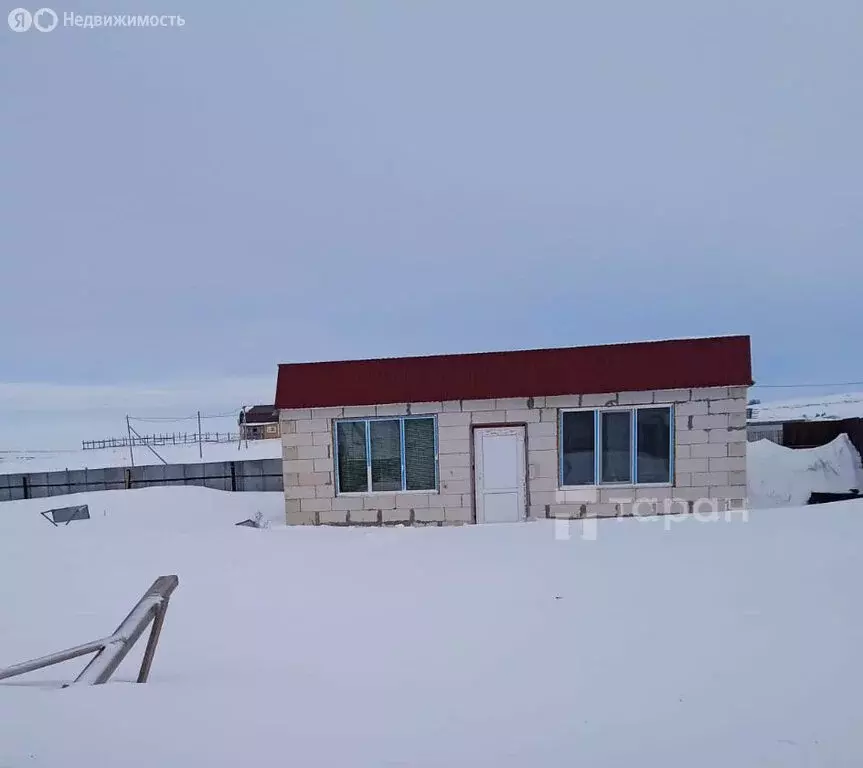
column 812, row 408
column 673, row 364
column 262, row 414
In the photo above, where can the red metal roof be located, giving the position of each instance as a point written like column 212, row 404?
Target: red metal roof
column 674, row 364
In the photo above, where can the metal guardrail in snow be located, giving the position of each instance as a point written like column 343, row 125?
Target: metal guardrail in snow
column 110, row 651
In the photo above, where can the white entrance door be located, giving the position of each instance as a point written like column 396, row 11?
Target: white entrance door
column 499, row 474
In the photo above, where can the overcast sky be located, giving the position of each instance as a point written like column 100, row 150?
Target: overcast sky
column 316, row 179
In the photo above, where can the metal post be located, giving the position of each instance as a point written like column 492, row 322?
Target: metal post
column 153, row 641
column 129, row 432
column 200, row 444
column 131, row 628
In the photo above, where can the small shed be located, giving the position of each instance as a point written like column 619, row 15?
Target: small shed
column 602, row 431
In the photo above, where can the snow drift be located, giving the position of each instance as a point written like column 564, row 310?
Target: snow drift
column 780, row 476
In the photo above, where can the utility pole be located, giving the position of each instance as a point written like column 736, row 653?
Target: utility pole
column 200, row 444
column 129, row 432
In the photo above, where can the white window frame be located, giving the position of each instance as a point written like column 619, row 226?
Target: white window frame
column 597, row 427
column 401, row 419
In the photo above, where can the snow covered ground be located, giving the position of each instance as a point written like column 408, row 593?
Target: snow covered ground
column 780, row 477
column 672, row 641
column 13, row 462
column 813, row 407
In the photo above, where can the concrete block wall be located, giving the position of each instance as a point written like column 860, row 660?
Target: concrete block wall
column 309, row 470
column 710, row 459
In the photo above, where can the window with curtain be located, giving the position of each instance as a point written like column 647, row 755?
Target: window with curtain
column 379, row 455
column 351, row 456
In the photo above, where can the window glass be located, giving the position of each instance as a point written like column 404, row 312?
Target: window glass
column 616, row 457
column 654, row 445
column 419, row 455
column 578, row 448
column 352, row 464
column 386, row 455
column 379, row 455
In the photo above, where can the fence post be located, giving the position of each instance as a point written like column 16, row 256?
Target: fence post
column 129, row 432
column 25, row 482
column 200, row 438
column 152, row 642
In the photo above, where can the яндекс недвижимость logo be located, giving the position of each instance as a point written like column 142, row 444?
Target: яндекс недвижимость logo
column 21, row 20
column 47, row 20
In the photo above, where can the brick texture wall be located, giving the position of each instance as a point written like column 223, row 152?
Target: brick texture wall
column 710, row 460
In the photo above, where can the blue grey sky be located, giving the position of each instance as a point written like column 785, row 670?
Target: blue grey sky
column 312, row 180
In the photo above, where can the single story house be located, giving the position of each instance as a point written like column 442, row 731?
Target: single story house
column 599, row 431
column 259, row 422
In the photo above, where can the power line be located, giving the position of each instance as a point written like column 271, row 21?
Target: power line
column 792, row 386
column 168, row 419
column 162, row 418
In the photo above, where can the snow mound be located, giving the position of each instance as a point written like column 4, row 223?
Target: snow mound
column 780, row 476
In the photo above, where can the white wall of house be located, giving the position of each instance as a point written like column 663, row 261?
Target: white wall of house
column 709, row 449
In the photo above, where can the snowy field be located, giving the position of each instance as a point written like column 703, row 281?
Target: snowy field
column 665, row 642
column 14, row 462
column 815, row 407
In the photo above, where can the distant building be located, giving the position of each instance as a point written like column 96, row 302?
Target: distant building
column 765, row 429
column 260, row 422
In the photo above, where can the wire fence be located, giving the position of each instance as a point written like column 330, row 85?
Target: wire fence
column 173, row 438
column 771, row 432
